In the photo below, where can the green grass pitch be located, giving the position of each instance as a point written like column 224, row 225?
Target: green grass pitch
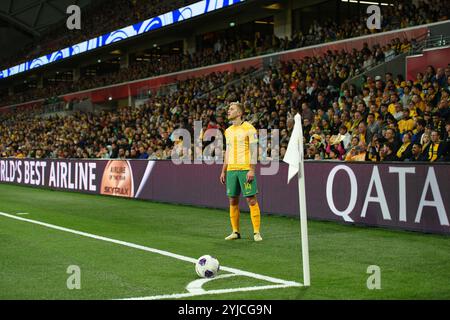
column 34, row 259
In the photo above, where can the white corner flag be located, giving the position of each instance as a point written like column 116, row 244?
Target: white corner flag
column 294, row 157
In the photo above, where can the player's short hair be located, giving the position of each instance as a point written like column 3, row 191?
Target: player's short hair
column 239, row 106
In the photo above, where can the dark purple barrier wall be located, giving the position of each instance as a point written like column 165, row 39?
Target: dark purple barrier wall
column 398, row 195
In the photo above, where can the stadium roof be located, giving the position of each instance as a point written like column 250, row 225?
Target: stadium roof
column 24, row 20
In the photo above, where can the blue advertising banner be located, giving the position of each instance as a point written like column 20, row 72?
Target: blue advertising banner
column 163, row 20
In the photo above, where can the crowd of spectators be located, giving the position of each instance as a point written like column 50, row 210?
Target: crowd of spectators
column 231, row 48
column 128, row 132
column 114, row 14
column 228, row 46
column 390, row 119
column 402, row 15
column 387, row 119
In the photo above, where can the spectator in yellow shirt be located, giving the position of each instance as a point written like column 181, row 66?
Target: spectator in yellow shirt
column 357, row 153
column 374, row 108
column 406, row 123
column 392, row 101
column 405, row 46
column 418, row 102
column 357, row 118
column 404, row 152
column 436, row 148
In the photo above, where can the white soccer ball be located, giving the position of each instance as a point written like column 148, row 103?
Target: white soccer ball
column 207, row 266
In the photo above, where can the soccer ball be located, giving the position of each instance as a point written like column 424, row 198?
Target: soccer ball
column 207, row 266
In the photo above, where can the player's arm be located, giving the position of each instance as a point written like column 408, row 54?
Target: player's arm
column 223, row 174
column 224, row 168
column 253, row 159
column 253, row 149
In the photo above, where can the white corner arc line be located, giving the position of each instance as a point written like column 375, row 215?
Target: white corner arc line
column 196, row 285
column 157, row 251
column 218, row 291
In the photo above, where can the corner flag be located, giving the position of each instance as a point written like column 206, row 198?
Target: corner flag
column 294, row 157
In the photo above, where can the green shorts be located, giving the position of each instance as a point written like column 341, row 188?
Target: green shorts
column 237, row 181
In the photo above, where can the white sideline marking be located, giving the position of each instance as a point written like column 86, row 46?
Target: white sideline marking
column 280, row 283
column 22, row 213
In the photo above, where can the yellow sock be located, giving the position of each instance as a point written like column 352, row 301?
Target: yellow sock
column 234, row 217
column 255, row 214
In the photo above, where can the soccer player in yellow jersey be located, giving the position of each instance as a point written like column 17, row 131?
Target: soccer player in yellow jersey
column 238, row 171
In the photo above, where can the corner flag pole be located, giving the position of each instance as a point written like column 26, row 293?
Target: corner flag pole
column 294, row 157
column 303, row 215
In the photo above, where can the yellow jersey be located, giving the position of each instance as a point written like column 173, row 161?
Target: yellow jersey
column 362, row 138
column 238, row 140
column 406, row 125
column 391, row 108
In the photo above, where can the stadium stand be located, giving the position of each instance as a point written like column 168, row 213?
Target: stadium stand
column 226, row 47
column 381, row 121
column 340, row 121
column 102, row 18
column 233, row 50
